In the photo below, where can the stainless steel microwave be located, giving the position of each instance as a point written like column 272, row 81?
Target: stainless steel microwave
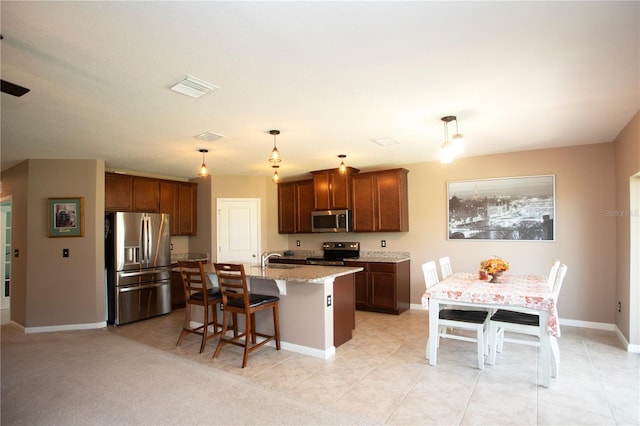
column 331, row 221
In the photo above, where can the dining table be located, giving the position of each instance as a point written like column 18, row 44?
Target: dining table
column 527, row 293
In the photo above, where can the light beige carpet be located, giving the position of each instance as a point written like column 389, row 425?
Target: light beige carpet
column 94, row 377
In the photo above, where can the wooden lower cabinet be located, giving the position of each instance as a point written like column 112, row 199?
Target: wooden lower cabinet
column 383, row 287
column 177, row 290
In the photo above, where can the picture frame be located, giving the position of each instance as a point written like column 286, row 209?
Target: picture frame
column 511, row 208
column 66, row 217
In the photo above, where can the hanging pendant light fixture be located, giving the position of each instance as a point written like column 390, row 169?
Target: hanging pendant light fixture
column 203, row 169
column 342, row 168
column 449, row 149
column 275, row 154
column 275, row 177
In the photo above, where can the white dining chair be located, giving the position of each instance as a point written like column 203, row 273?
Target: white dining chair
column 445, row 267
column 458, row 318
column 552, row 273
column 505, row 320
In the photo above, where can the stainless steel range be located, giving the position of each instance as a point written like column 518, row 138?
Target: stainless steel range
column 334, row 253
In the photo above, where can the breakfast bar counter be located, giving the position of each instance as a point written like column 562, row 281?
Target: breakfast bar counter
column 316, row 308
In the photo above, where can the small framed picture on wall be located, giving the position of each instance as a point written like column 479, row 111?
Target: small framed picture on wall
column 66, row 217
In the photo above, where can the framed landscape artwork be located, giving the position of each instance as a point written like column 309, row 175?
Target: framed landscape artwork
column 66, row 217
column 514, row 208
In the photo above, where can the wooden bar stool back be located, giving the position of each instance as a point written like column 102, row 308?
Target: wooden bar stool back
column 236, row 299
column 196, row 293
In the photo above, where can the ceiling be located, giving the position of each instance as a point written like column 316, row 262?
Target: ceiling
column 331, row 76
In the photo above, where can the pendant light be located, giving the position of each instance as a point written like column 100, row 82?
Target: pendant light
column 203, row 169
column 275, row 154
column 275, row 178
column 449, row 149
column 342, row 168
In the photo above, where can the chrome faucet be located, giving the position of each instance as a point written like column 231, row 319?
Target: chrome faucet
column 265, row 257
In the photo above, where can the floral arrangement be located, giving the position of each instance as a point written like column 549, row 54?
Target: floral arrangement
column 493, row 265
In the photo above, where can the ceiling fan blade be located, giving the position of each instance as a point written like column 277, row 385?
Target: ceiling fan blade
column 12, row 89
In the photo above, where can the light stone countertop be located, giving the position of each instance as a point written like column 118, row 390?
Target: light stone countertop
column 304, row 273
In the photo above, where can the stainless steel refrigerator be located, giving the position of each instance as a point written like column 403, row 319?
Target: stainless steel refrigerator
column 138, row 266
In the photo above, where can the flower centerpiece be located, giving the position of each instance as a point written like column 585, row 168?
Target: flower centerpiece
column 494, row 267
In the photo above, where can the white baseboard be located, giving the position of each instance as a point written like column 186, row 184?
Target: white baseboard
column 66, row 327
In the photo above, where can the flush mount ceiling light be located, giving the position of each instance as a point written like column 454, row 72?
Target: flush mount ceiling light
column 208, row 136
column 342, row 168
column 275, row 154
column 385, row 141
column 194, row 87
column 449, row 149
column 275, row 177
column 203, row 169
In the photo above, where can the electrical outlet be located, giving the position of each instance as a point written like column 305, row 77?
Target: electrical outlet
column 170, row 246
column 619, row 306
column 328, row 300
column 298, row 243
column 16, row 253
column 65, row 252
column 383, row 243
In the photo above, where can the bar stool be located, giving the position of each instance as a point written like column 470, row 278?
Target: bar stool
column 236, row 299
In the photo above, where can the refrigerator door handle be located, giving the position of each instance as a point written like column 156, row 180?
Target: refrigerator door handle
column 140, row 287
column 145, row 272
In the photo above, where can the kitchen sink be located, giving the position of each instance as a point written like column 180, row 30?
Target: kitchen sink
column 282, row 266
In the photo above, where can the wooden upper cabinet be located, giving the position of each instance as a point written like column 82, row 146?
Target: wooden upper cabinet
column 188, row 209
column 146, row 194
column 118, row 192
column 332, row 189
column 305, row 205
column 295, row 204
column 380, row 201
column 136, row 193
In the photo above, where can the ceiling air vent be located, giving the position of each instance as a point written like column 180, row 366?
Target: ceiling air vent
column 385, row 141
column 194, row 87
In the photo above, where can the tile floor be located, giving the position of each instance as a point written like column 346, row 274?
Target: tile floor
column 382, row 376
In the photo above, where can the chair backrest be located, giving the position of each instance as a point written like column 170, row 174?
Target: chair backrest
column 193, row 278
column 552, row 274
column 562, row 271
column 233, row 282
column 445, row 267
column 430, row 273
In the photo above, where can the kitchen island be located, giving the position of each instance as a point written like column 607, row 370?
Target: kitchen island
column 316, row 308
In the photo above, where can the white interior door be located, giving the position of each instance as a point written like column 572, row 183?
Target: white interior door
column 238, row 229
column 5, row 264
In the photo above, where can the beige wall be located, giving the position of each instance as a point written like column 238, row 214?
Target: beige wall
column 49, row 290
column 585, row 236
column 627, row 159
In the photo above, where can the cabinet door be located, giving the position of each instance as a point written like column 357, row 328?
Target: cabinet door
column 382, row 282
column 321, row 190
column 364, row 192
column 361, row 281
column 169, row 202
column 332, row 189
column 304, row 205
column 188, row 207
column 118, row 192
column 392, row 202
column 146, row 194
column 286, row 208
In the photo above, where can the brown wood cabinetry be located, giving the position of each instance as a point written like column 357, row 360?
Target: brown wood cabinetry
column 332, row 189
column 295, row 204
column 382, row 287
column 118, row 192
column 380, row 201
column 142, row 194
column 187, row 209
column 146, row 194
